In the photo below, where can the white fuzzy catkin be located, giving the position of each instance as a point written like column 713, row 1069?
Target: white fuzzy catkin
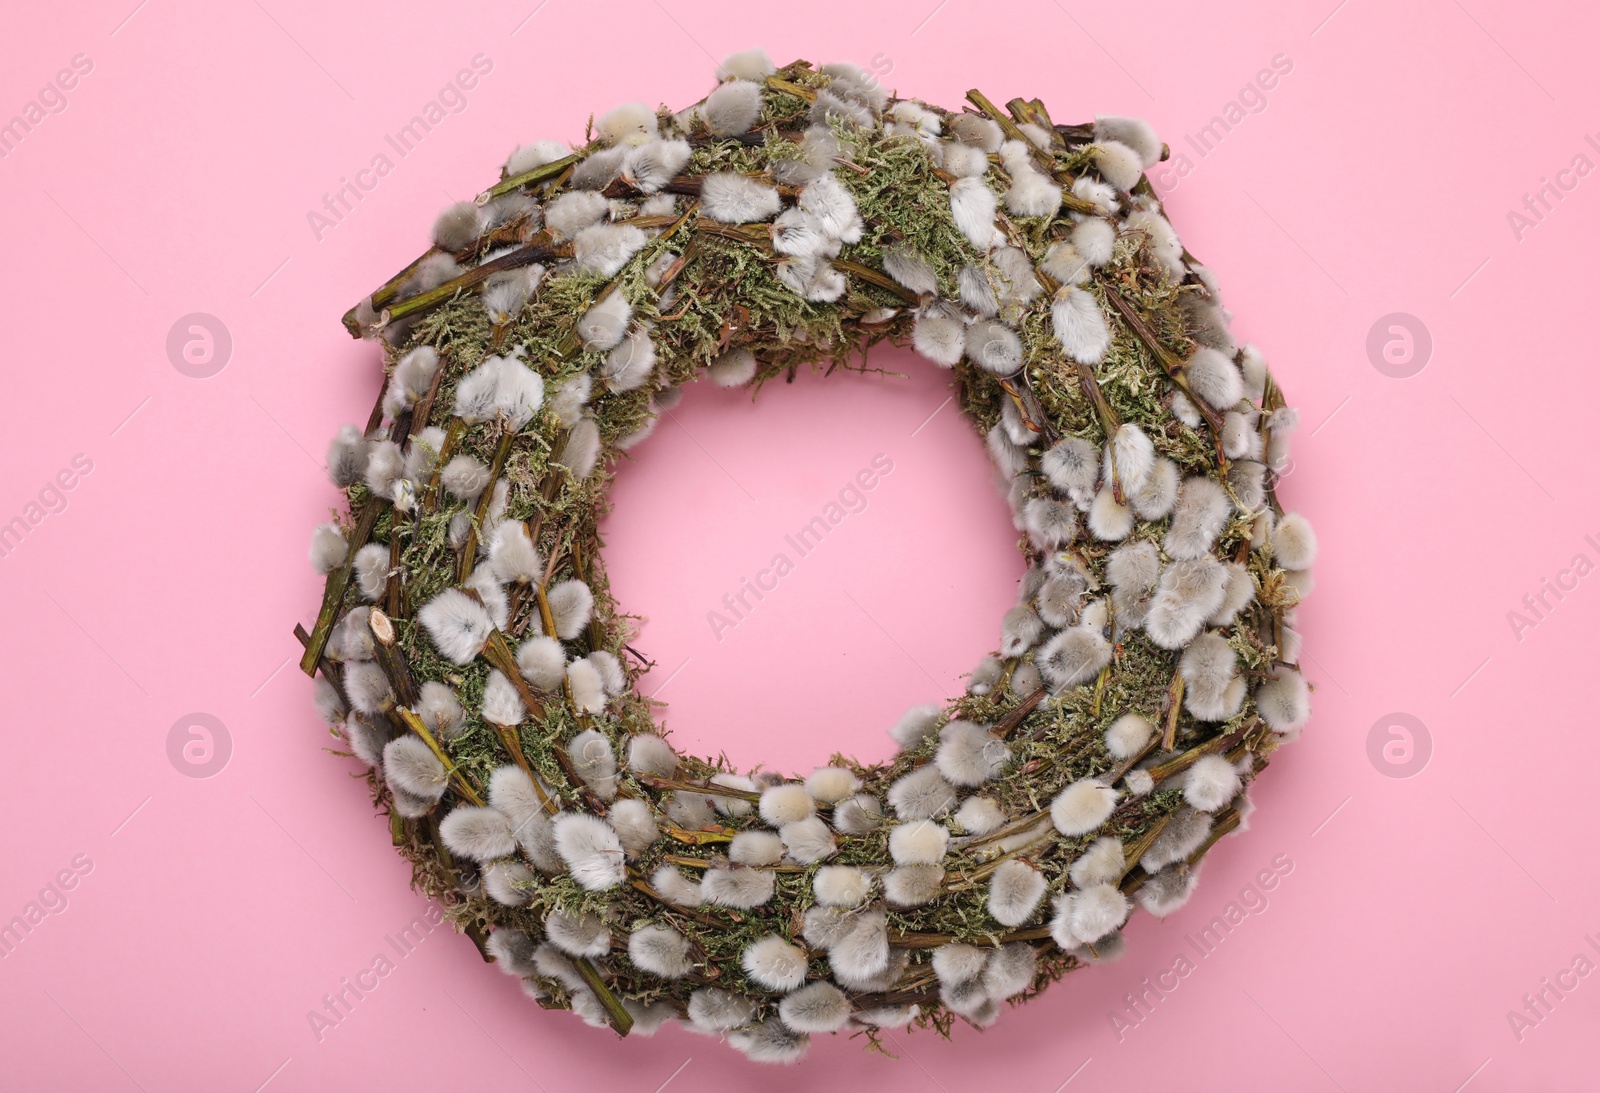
column 1117, row 163
column 507, row 882
column 735, row 199
column 1202, row 512
column 464, row 477
column 542, row 662
column 1128, row 735
column 1131, row 132
column 371, row 570
column 919, row 842
column 807, row 841
column 457, row 624
column 1167, row 890
column 712, row 1009
column 973, row 205
column 1154, row 499
column 573, row 211
column 1073, row 657
column 910, row 269
column 732, row 108
column 739, row 888
column 593, row 759
column 630, row 123
column 912, row 885
column 1211, row 783
column 591, row 849
column 482, row 834
column 605, row 248
column 502, row 705
column 1215, row 378
column 969, row 754
column 512, row 555
column 660, row 950
column 347, row 457
column 629, row 365
column 785, row 804
column 732, row 806
column 1015, row 890
column 939, row 338
column 578, row 935
column 652, row 166
column 328, row 548
column 1294, row 544
column 771, row 1041
column 994, row 347
column 956, row 963
column 458, row 226
column 857, row 816
column 1090, row 914
column 588, row 691
column 921, row 795
column 675, row 887
column 756, row 848
column 1071, row 465
column 1103, row 862
column 1134, row 456
column 1285, row 702
column 1109, row 519
column 1079, row 325
column 979, row 815
column 734, row 368
column 602, row 326
column 775, row 964
column 410, row 764
column 916, row 725
column 840, row 886
column 1095, row 240
column 830, row 785
column 1082, row 807
column 571, row 607
column 634, row 824
column 1209, row 669
column 1189, row 592
column 1184, row 833
column 860, row 958
column 649, row 754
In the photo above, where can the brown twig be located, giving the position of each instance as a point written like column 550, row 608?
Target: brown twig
column 339, row 582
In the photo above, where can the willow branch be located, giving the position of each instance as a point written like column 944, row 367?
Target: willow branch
column 339, row 582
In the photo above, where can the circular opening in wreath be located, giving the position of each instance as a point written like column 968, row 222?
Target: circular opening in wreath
column 809, row 564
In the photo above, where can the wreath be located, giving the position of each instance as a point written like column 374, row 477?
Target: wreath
column 468, row 650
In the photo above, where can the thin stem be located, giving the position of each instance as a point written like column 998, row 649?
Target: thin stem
column 621, row 1019
column 878, row 278
column 387, row 653
column 1169, row 737
column 1069, row 200
column 539, row 250
column 528, row 178
column 469, row 553
column 1173, row 367
column 1108, row 422
column 457, row 777
column 452, row 437
column 1180, row 763
column 338, row 583
column 1014, row 717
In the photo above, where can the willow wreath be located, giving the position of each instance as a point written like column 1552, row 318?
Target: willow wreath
column 469, row 653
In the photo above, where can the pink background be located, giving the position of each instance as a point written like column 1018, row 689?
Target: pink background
column 1377, row 179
